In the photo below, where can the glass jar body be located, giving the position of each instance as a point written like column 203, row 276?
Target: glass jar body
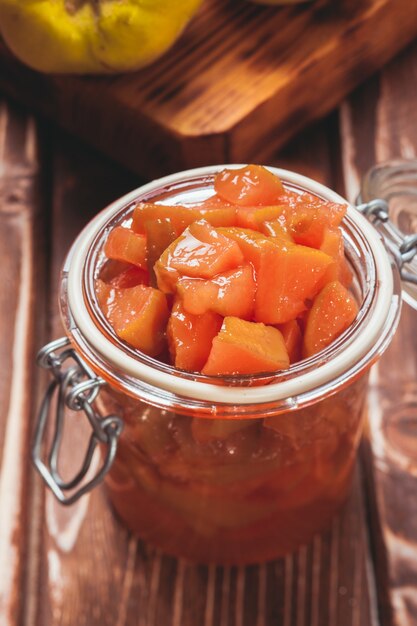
column 238, row 469
column 233, row 491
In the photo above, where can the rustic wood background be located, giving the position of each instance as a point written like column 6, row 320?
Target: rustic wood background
column 79, row 566
column 231, row 90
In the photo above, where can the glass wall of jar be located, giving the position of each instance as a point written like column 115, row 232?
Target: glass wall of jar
column 231, row 469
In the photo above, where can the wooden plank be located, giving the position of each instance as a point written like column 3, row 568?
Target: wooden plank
column 238, row 84
column 85, row 555
column 92, row 571
column 22, row 263
column 378, row 123
column 324, row 583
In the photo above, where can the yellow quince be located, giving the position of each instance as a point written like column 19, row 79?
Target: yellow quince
column 92, row 36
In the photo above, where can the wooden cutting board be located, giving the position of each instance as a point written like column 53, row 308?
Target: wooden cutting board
column 241, row 80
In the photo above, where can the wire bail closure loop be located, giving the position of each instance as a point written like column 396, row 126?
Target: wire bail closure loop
column 75, row 387
column 402, row 247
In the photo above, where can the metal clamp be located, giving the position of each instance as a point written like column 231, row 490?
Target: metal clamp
column 402, row 247
column 76, row 387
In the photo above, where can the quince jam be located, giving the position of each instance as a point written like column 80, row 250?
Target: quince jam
column 249, row 281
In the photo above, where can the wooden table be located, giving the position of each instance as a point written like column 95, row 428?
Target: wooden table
column 78, row 566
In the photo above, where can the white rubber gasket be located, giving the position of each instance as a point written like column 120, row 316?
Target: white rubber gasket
column 361, row 345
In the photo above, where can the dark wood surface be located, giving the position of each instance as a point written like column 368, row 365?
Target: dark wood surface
column 382, row 128
column 78, row 565
column 241, row 80
column 21, row 239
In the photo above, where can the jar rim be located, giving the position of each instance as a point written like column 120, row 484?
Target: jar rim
column 299, row 385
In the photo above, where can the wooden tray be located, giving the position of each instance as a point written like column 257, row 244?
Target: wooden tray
column 239, row 83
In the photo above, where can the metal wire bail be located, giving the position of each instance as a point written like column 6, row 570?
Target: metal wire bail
column 402, row 247
column 75, row 387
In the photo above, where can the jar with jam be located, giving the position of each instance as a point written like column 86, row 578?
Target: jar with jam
column 224, row 380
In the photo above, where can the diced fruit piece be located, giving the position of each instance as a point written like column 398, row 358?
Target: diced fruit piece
column 219, row 216
column 122, row 275
column 332, row 245
column 306, row 217
column 160, row 233
column 190, row 337
column 138, row 315
column 276, row 229
column 254, row 217
column 288, row 275
column 293, row 339
column 231, row 293
column 124, row 245
column 249, row 186
column 207, row 430
column 251, row 243
column 200, row 252
column 333, row 311
column 213, row 202
column 130, row 278
column 307, row 230
column 246, row 348
column 180, row 217
column 104, row 293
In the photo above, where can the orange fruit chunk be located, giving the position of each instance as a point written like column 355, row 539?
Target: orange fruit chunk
column 213, row 202
column 254, row 217
column 276, row 229
column 182, row 216
column 219, row 216
column 137, row 314
column 332, row 312
column 243, row 347
column 178, row 216
column 230, row 293
column 130, row 278
column 190, row 337
column 249, row 186
column 124, row 245
column 251, row 243
column 332, row 245
column 104, row 293
column 121, row 275
column 160, row 233
column 293, row 339
column 287, row 276
column 200, row 252
column 307, row 217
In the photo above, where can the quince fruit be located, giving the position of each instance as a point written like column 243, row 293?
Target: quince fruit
column 92, row 36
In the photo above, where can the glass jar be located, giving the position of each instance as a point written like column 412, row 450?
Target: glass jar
column 230, row 470
column 395, row 182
